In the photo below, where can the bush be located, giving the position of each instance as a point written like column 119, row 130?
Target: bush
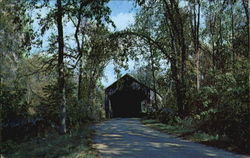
column 230, row 114
column 23, row 128
column 165, row 115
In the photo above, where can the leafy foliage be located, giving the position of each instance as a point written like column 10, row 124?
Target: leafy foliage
column 206, row 79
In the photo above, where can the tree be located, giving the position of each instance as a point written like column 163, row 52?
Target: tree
column 81, row 16
column 15, row 40
column 61, row 80
column 206, row 55
column 195, row 27
column 174, row 18
column 55, row 15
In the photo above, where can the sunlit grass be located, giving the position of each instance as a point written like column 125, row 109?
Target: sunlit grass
column 202, row 137
column 175, row 130
column 76, row 144
column 180, row 131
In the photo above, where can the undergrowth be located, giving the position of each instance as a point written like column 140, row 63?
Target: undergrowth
column 75, row 144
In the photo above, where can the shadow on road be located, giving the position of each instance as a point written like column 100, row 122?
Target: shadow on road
column 128, row 138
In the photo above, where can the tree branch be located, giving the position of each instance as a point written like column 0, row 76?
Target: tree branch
column 143, row 36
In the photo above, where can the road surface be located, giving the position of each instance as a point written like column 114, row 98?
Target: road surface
column 129, row 138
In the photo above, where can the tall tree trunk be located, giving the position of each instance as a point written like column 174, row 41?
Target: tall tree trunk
column 198, row 69
column 61, row 80
column 198, row 48
column 78, row 24
column 153, row 75
column 212, row 40
column 195, row 26
column 211, row 29
column 232, row 29
column 174, row 20
column 80, row 80
column 183, row 53
column 179, row 96
column 79, row 49
column 246, row 8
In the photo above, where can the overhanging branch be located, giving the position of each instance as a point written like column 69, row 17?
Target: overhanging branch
column 158, row 45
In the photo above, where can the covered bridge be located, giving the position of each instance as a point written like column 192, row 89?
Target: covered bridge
column 127, row 97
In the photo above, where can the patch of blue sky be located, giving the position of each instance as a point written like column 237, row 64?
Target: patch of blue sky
column 122, row 6
column 123, row 15
column 123, row 12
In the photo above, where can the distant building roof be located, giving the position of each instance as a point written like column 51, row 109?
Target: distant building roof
column 131, row 78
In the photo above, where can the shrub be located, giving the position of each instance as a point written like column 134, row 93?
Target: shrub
column 164, row 115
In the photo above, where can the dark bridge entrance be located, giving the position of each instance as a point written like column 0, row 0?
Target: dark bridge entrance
column 125, row 104
column 125, row 97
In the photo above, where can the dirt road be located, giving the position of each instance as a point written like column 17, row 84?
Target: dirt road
column 128, row 138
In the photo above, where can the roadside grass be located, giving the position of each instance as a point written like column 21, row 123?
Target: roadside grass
column 190, row 133
column 177, row 131
column 76, row 144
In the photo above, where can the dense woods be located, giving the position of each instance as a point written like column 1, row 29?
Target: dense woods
column 206, row 48
column 195, row 53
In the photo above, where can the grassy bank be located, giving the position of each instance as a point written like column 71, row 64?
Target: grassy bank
column 75, row 144
column 190, row 133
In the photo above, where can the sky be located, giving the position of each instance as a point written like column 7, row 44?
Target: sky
column 123, row 13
